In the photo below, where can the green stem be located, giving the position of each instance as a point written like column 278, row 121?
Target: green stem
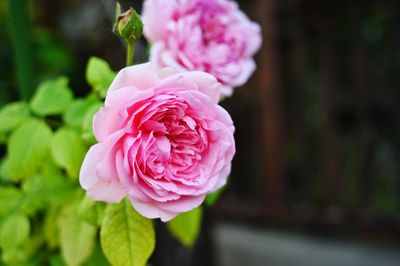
column 129, row 53
column 22, row 49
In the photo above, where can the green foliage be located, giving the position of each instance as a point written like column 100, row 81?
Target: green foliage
column 76, row 112
column 14, row 231
column 91, row 211
column 51, row 227
column 186, row 226
column 43, row 191
column 97, row 258
column 99, row 75
column 10, row 198
column 27, row 148
column 77, row 237
column 38, row 180
column 4, row 176
column 52, row 97
column 68, row 150
column 127, row 238
column 12, row 115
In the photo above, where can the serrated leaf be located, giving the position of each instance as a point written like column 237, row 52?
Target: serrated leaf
column 12, row 115
column 186, row 226
column 127, row 238
column 99, row 75
column 77, row 238
column 88, row 123
column 14, row 231
column 68, row 150
column 10, row 199
column 27, row 147
column 52, row 97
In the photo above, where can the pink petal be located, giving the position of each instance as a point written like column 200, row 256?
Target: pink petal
column 156, row 14
column 141, row 76
column 106, row 169
column 206, row 83
column 184, row 204
column 150, row 210
column 96, row 189
column 106, row 121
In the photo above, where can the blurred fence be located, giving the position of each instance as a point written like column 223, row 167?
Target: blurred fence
column 318, row 126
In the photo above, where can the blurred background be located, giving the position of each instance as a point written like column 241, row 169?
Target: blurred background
column 316, row 176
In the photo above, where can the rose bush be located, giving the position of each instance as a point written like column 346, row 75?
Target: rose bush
column 206, row 35
column 163, row 141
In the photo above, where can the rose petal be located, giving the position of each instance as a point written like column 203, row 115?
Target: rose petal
column 184, row 204
column 150, row 210
column 141, row 76
column 111, row 192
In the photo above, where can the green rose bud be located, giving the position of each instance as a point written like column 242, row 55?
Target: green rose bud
column 128, row 25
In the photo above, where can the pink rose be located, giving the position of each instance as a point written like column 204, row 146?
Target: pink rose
column 163, row 141
column 213, row 36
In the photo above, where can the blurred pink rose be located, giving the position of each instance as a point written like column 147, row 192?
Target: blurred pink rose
column 163, row 141
column 206, row 35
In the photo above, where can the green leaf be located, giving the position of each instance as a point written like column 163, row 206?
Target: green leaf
column 127, row 238
column 12, row 115
column 77, row 237
column 49, row 168
column 76, row 112
column 52, row 97
column 42, row 191
column 99, row 75
column 68, row 150
column 14, row 256
column 10, row 198
column 91, row 211
column 51, row 227
column 4, row 175
column 14, row 231
column 88, row 122
column 186, row 226
column 27, row 148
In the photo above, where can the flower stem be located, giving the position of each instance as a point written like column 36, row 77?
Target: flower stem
column 129, row 53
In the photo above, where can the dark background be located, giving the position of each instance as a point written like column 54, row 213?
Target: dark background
column 317, row 126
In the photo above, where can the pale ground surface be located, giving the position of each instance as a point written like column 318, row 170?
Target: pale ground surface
column 244, row 246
